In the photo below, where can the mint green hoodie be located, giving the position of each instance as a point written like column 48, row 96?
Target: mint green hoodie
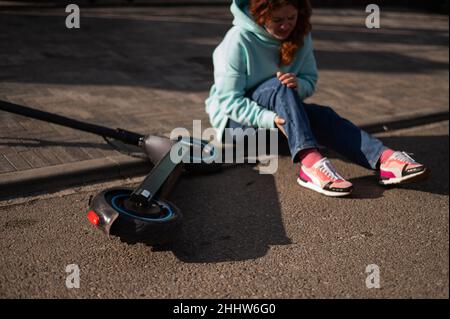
column 246, row 57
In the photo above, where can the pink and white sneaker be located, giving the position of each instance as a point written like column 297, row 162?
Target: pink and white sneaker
column 323, row 178
column 401, row 168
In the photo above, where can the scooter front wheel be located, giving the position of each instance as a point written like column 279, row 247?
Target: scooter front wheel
column 159, row 223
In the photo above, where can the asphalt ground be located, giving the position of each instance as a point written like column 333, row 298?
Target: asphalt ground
column 246, row 235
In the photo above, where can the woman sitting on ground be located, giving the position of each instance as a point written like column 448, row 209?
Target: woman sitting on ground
column 263, row 70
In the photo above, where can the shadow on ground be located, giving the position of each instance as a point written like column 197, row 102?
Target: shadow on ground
column 133, row 51
column 236, row 214
column 230, row 216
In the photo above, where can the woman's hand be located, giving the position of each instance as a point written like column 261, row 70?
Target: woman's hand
column 288, row 79
column 279, row 122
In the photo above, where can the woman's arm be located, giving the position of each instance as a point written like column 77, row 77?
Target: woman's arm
column 230, row 76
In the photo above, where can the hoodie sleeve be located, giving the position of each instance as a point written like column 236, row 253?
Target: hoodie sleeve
column 230, row 78
column 307, row 76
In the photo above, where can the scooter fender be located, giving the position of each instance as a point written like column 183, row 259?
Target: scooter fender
column 101, row 214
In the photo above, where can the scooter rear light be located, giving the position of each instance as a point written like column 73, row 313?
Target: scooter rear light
column 93, row 218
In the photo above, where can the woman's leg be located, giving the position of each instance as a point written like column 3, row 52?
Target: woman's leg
column 344, row 137
column 307, row 125
column 362, row 148
column 321, row 176
column 277, row 97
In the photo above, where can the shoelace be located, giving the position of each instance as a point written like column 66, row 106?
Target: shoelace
column 404, row 157
column 326, row 168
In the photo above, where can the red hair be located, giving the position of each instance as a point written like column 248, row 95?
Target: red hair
column 261, row 11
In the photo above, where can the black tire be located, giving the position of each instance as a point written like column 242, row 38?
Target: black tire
column 131, row 226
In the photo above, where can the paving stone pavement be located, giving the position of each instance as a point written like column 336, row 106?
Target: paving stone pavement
column 149, row 69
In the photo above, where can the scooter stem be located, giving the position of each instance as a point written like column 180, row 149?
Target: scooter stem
column 118, row 134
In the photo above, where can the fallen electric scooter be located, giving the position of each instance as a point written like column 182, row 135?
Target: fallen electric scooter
column 143, row 213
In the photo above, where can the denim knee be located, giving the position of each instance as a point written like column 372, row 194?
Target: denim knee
column 273, row 84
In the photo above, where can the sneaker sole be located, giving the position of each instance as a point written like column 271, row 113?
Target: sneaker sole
column 320, row 190
column 407, row 179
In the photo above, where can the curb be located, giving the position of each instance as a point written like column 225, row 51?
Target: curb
column 401, row 122
column 71, row 174
column 121, row 166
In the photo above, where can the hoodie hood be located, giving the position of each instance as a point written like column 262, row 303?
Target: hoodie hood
column 243, row 19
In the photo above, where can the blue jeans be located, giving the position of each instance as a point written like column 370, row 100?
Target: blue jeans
column 313, row 126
